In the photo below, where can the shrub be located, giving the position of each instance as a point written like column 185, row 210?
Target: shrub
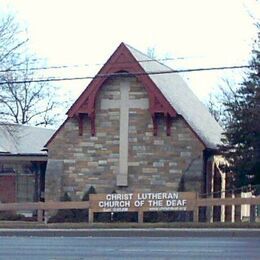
column 72, row 215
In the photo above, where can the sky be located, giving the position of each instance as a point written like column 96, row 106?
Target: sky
column 195, row 34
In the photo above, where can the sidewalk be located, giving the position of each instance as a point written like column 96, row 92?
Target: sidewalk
column 132, row 232
column 86, row 225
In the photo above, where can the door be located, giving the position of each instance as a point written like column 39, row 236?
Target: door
column 7, row 188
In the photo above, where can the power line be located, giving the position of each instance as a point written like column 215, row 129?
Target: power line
column 85, row 65
column 126, row 74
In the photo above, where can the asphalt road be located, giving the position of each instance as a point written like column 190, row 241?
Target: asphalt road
column 79, row 248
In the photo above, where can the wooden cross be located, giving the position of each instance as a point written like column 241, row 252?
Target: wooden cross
column 124, row 104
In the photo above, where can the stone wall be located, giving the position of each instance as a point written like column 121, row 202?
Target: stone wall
column 155, row 163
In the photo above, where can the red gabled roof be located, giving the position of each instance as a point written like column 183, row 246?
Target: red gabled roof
column 121, row 60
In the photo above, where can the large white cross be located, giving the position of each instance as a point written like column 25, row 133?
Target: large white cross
column 124, row 104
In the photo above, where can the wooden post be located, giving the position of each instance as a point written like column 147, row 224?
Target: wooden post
column 228, row 209
column 252, row 213
column 196, row 214
column 196, row 209
column 140, row 217
column 223, row 195
column 46, row 217
column 238, row 209
column 40, row 215
column 209, row 214
column 90, row 216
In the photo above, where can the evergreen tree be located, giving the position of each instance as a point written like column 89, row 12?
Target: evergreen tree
column 91, row 190
column 241, row 142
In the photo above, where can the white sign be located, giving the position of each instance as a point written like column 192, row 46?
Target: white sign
column 160, row 201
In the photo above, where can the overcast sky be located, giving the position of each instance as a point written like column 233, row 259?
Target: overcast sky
column 205, row 33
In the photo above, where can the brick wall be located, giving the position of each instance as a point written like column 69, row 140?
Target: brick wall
column 155, row 163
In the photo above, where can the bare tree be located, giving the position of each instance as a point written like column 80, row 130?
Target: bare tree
column 151, row 52
column 10, row 43
column 26, row 102
column 22, row 100
column 217, row 102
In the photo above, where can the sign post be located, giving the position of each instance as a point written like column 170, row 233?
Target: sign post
column 140, row 217
column 90, row 216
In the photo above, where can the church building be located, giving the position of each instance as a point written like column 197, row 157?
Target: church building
column 137, row 127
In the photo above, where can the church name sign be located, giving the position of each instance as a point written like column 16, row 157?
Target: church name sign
column 148, row 201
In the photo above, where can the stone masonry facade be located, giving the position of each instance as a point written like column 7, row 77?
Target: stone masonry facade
column 155, row 163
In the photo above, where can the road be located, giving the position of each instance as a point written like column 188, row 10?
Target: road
column 79, row 248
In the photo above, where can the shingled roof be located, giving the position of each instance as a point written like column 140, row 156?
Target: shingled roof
column 183, row 100
column 23, row 140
